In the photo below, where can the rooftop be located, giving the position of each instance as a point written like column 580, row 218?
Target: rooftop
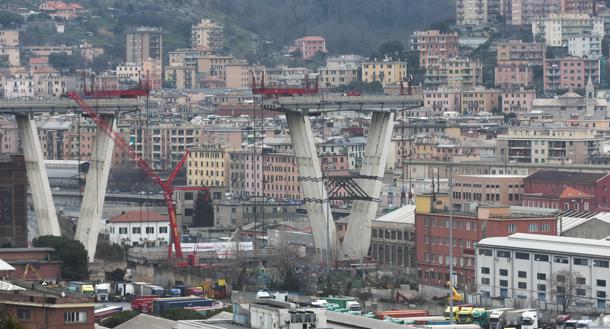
column 137, row 216
column 566, row 177
column 405, row 214
column 549, row 243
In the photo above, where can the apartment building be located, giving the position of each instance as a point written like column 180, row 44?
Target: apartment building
column 572, row 106
column 238, row 75
column 170, row 141
column 386, row 72
column 479, row 100
column 457, row 72
column 393, row 238
column 181, row 76
column 517, row 50
column 432, row 237
column 208, row 36
column 585, row 45
column 517, row 101
column 9, row 46
column 130, row 72
column 143, row 43
column 208, row 166
column 533, row 267
column 309, row 46
column 353, row 147
column 548, row 145
column 9, row 136
column 524, row 12
column 513, row 74
column 557, row 29
column 570, row 72
column 443, row 100
column 13, row 192
column 577, row 7
column 434, row 46
column 340, row 70
column 139, row 228
column 471, row 12
column 470, row 191
column 18, row 86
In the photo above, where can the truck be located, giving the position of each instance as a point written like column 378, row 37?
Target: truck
column 123, row 290
column 451, row 326
column 83, row 288
column 533, row 320
column 102, row 292
column 151, row 289
column 513, row 318
column 347, row 303
column 560, row 320
column 456, row 311
column 480, row 316
column 400, row 314
column 465, row 315
column 138, row 288
column 497, row 318
column 143, row 304
column 161, row 305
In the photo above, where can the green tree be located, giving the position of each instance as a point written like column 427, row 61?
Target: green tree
column 63, row 61
column 10, row 20
column 203, row 213
column 182, row 314
column 71, row 252
column 119, row 318
column 116, row 275
column 392, row 49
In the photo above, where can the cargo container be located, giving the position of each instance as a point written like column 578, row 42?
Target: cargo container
column 151, row 289
column 165, row 304
column 401, row 314
column 143, row 304
column 350, row 304
column 138, row 288
column 513, row 318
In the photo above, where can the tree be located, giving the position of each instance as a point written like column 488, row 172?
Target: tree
column 203, row 213
column 363, row 296
column 182, row 314
column 116, row 275
column 10, row 20
column 119, row 318
column 392, row 49
column 71, row 252
column 63, row 61
column 568, row 288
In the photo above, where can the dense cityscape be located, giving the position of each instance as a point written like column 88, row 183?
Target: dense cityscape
column 203, row 170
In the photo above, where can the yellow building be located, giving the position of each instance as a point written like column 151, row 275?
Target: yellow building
column 181, row 76
column 208, row 166
column 238, row 75
column 385, row 72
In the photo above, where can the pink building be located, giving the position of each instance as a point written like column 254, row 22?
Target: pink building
column 570, row 72
column 280, row 172
column 9, row 136
column 434, row 46
column 443, row 100
column 229, row 137
column 517, row 50
column 487, row 189
column 513, row 74
column 519, row 101
column 309, row 46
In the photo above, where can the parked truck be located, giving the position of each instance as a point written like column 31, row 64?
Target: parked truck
column 560, row 320
column 513, row 318
column 102, row 292
column 497, row 318
column 138, row 288
column 533, row 320
column 465, row 315
column 123, row 290
column 153, row 290
column 480, row 316
column 456, row 311
column 350, row 304
column 83, row 288
column 162, row 305
column 400, row 314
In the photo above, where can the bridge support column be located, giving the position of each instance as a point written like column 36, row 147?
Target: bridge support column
column 314, row 191
column 358, row 236
column 95, row 190
column 37, row 177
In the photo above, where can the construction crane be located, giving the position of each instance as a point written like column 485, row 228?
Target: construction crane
column 166, row 185
column 29, row 268
column 457, row 297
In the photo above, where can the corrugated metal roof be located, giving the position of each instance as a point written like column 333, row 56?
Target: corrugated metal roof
column 4, row 266
column 404, row 214
column 572, row 220
column 147, row 321
column 550, row 243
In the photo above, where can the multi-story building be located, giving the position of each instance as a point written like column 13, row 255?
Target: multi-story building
column 309, row 46
column 517, row 50
column 130, row 72
column 280, row 177
column 208, row 166
column 443, row 100
column 524, row 12
column 9, row 46
column 538, row 267
column 556, row 30
column 471, row 12
column 9, row 136
column 353, row 147
column 13, row 202
column 570, row 72
column 586, row 45
column 567, row 190
column 548, row 145
column 144, row 43
column 238, row 75
column 470, row 191
column 18, row 86
column 457, row 72
column 170, row 141
column 513, row 74
column 208, row 36
column 181, row 76
column 434, row 46
column 61, row 10
column 139, row 228
column 393, row 238
column 50, row 84
column 572, row 106
column 577, row 7
column 237, row 175
column 478, row 100
column 390, row 72
column 432, row 222
column 152, row 73
column 340, row 70
column 517, row 101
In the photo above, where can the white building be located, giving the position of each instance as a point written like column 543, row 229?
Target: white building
column 278, row 314
column 585, row 45
column 139, row 228
column 523, row 266
column 18, row 86
column 130, row 72
column 471, row 12
column 557, row 29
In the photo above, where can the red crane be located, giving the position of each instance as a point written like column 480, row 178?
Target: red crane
column 166, row 185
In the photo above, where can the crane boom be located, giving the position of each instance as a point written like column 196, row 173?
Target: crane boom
column 124, row 146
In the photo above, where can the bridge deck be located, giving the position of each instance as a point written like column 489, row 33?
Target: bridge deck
column 335, row 103
column 109, row 106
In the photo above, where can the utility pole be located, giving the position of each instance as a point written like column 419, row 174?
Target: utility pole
column 450, row 194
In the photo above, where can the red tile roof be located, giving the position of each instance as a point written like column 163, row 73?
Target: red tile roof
column 570, row 192
column 139, row 216
column 39, row 60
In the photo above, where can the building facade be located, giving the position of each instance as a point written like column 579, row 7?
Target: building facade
column 144, row 43
column 570, row 72
column 139, row 228
column 309, row 46
column 13, row 202
column 208, row 166
column 456, row 72
column 390, row 72
column 208, row 36
column 434, row 46
column 556, row 30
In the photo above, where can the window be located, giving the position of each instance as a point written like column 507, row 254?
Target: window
column 75, row 317
column 485, row 270
column 561, row 278
column 541, row 287
column 581, row 280
column 135, row 230
column 545, row 227
column 503, row 253
column 150, row 230
column 23, row 315
column 533, row 228
column 188, row 211
column 522, row 274
column 485, row 281
column 522, row 285
column 601, row 294
column 485, row 252
column 581, row 261
column 163, row 229
column 581, row 292
column 561, row 260
column 503, row 272
column 122, row 230
column 522, row 255
column 541, row 276
column 601, row 283
column 503, row 283
column 511, row 228
column 541, row 257
column 600, row 263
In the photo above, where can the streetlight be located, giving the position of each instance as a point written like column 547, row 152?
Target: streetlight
column 450, row 194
